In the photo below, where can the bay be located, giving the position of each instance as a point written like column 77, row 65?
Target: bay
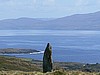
column 68, row 46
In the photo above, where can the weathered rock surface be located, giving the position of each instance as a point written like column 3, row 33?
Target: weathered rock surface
column 47, row 59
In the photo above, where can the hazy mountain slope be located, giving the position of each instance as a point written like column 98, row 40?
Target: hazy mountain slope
column 79, row 21
column 20, row 23
column 89, row 21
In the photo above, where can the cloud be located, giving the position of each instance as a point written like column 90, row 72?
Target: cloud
column 82, row 2
column 48, row 2
column 4, row 0
column 17, row 4
column 46, row 8
column 32, row 3
column 87, row 2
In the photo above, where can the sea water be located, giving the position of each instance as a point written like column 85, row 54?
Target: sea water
column 67, row 46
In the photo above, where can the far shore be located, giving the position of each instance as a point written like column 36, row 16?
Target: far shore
column 19, row 51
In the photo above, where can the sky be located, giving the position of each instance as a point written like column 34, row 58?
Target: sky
column 46, row 8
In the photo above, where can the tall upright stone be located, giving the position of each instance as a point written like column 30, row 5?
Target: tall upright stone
column 47, row 59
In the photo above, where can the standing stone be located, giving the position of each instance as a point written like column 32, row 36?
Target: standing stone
column 47, row 59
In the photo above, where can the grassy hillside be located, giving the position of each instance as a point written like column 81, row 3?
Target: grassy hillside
column 12, row 63
column 23, row 66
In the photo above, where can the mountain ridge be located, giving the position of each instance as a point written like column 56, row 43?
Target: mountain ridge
column 88, row 21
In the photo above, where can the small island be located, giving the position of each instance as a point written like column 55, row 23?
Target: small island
column 17, row 51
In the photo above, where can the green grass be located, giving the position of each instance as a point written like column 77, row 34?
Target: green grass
column 23, row 66
column 57, row 72
column 20, row 64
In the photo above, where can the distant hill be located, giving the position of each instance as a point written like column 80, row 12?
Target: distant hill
column 89, row 21
column 20, row 23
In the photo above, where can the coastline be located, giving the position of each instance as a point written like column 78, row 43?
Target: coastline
column 17, row 51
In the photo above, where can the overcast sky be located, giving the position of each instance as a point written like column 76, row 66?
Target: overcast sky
column 46, row 8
